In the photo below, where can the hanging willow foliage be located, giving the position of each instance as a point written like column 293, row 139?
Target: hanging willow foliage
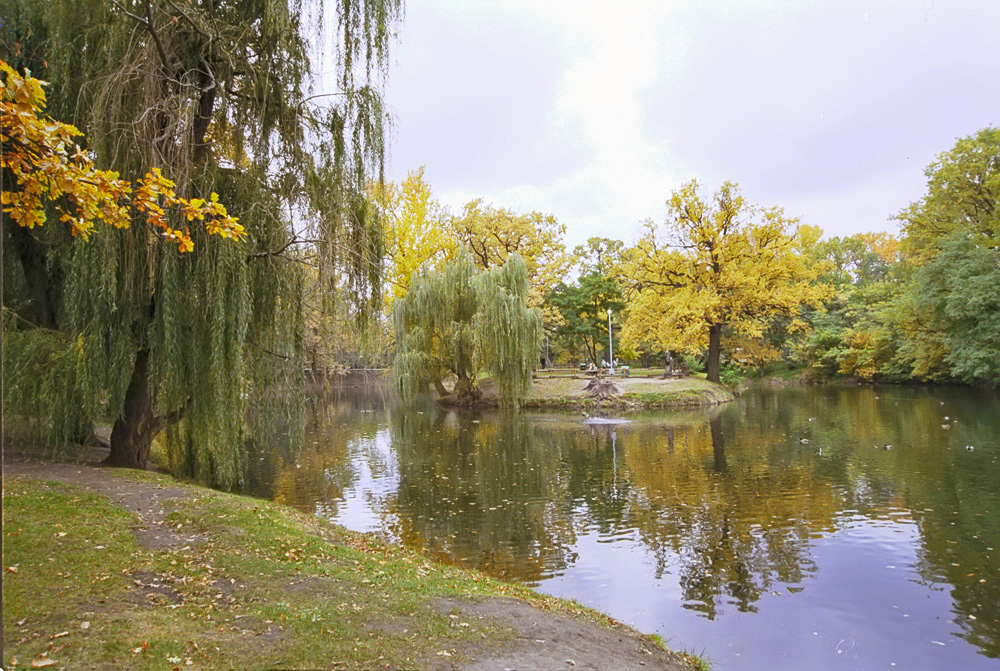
column 507, row 333
column 458, row 321
column 434, row 330
column 220, row 95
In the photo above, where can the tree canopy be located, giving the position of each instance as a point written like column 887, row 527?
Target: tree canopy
column 220, row 96
column 582, row 306
column 950, row 308
column 458, row 321
column 713, row 264
column 415, row 227
column 851, row 334
column 492, row 234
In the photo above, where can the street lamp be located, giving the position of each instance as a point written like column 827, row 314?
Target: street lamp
column 611, row 351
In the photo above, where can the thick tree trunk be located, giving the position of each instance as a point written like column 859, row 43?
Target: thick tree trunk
column 467, row 391
column 440, row 388
column 133, row 432
column 44, row 281
column 714, row 348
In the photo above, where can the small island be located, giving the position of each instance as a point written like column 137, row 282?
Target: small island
column 551, row 390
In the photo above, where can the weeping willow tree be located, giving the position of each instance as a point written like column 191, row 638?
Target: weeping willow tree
column 458, row 321
column 222, row 96
column 507, row 333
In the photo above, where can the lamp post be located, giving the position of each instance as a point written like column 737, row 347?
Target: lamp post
column 611, row 351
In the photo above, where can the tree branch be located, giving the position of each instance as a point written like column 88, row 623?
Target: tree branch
column 148, row 23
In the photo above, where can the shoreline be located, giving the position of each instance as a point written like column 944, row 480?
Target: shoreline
column 552, row 391
column 135, row 569
column 637, row 393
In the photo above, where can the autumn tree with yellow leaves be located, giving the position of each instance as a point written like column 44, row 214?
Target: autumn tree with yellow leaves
column 47, row 165
column 415, row 231
column 713, row 264
column 492, row 234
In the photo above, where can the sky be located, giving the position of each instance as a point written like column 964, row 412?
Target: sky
column 595, row 112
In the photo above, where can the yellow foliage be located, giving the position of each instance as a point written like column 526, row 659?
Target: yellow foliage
column 750, row 352
column 715, row 263
column 47, row 165
column 886, row 245
column 492, row 234
column 414, row 230
column 419, row 231
column 861, row 359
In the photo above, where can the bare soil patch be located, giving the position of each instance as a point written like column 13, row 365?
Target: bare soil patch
column 546, row 640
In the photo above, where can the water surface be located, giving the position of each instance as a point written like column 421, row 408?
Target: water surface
column 797, row 528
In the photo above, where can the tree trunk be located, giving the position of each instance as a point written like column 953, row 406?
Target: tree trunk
column 714, row 348
column 467, row 391
column 440, row 388
column 206, row 105
column 44, row 280
column 133, row 431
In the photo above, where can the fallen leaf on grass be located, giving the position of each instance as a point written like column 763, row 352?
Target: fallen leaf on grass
column 42, row 661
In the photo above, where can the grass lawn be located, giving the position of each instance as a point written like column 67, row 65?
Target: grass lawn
column 561, row 390
column 229, row 583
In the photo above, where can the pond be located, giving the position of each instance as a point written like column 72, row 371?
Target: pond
column 796, row 528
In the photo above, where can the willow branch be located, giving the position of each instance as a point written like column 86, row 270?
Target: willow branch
column 190, row 21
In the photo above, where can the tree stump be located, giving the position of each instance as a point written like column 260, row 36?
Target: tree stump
column 602, row 389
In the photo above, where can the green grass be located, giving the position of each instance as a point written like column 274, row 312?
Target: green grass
column 267, row 584
column 565, row 392
column 698, row 661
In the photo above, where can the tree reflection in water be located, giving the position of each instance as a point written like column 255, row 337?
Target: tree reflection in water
column 729, row 502
column 480, row 493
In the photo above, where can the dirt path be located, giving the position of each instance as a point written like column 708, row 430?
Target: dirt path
column 543, row 640
column 145, row 499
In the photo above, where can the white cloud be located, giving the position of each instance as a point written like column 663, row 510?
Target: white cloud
column 596, row 112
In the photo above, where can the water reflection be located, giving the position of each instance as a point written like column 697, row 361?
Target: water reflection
column 480, row 493
column 851, row 503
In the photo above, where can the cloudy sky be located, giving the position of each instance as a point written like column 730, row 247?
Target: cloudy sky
column 596, row 111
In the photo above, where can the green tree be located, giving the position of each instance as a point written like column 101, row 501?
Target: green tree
column 583, row 306
column 221, row 96
column 459, row 321
column 715, row 264
column 950, row 308
column 852, row 334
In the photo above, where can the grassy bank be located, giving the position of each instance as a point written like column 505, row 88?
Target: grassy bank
column 637, row 392
column 213, row 581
